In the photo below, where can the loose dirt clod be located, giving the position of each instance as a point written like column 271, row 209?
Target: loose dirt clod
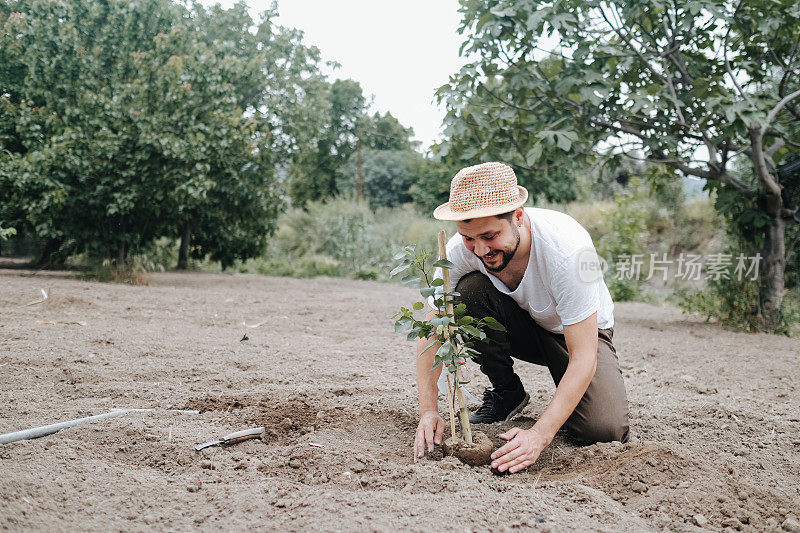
column 478, row 453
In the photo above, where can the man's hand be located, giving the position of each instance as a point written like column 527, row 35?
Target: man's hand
column 520, row 452
column 429, row 432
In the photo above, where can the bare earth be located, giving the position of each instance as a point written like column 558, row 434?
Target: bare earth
column 715, row 417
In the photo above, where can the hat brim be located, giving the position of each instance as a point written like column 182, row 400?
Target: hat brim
column 443, row 212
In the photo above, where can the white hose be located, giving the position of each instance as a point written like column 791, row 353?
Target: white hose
column 35, row 433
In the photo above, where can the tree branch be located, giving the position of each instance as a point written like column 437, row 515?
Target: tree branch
column 777, row 109
column 777, row 145
column 633, row 48
column 720, row 175
column 725, row 56
column 771, row 187
column 788, row 69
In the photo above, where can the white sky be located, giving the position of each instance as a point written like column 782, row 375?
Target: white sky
column 399, row 51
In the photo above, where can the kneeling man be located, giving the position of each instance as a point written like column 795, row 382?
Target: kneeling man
column 536, row 272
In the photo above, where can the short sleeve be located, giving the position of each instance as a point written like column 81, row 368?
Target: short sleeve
column 576, row 298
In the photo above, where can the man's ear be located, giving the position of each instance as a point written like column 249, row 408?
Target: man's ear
column 519, row 216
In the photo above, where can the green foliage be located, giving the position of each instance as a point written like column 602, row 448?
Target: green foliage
column 387, row 176
column 130, row 121
column 431, row 182
column 646, row 69
column 627, row 234
column 5, row 233
column 454, row 332
column 315, row 167
column 734, row 301
column 384, row 132
column 342, row 237
column 697, row 86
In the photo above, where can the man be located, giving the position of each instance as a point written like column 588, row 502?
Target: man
column 536, row 272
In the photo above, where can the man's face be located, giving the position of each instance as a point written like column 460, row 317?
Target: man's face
column 494, row 240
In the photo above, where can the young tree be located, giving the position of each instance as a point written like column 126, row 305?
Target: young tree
column 692, row 85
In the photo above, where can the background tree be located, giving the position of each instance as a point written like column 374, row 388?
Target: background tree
column 384, row 132
column 690, row 85
column 387, row 176
column 431, row 181
column 317, row 166
column 129, row 125
column 478, row 129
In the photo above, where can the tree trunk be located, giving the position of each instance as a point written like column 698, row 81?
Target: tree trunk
column 183, row 254
column 774, row 252
column 772, row 269
column 46, row 257
column 360, row 172
column 122, row 251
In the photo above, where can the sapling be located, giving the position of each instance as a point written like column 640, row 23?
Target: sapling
column 451, row 329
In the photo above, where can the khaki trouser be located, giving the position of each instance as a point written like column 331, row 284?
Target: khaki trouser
column 601, row 414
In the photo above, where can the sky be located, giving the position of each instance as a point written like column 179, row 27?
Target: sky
column 399, row 51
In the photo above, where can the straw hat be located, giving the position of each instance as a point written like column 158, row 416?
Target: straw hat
column 483, row 190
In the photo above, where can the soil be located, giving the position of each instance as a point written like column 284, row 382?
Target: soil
column 715, row 417
column 478, row 453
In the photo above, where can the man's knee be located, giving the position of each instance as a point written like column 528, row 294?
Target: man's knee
column 474, row 283
column 474, row 289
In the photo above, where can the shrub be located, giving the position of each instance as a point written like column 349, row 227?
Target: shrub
column 343, row 237
column 733, row 301
column 130, row 274
column 626, row 236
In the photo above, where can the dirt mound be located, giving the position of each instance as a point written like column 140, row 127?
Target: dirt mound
column 645, row 477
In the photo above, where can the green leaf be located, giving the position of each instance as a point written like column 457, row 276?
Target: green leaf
column 428, row 347
column 534, row 154
column 399, row 268
column 471, row 330
column 402, row 325
column 418, row 305
column 465, row 320
column 445, row 350
column 495, row 326
column 427, row 292
column 438, row 282
column 444, row 263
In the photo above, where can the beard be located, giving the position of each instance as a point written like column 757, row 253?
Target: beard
column 507, row 255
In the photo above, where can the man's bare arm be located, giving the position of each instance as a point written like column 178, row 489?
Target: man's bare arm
column 524, row 446
column 431, row 425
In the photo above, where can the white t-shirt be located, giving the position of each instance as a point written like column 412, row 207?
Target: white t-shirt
column 555, row 289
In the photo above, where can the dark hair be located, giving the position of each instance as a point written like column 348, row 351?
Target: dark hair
column 504, row 216
column 507, row 216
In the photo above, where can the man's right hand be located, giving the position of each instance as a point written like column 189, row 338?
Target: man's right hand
column 429, row 432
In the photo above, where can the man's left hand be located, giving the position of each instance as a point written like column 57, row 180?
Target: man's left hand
column 520, row 452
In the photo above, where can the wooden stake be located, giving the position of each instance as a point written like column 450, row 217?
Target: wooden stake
column 463, row 412
column 451, row 404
